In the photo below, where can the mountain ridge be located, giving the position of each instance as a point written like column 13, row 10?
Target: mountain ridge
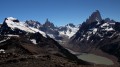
column 22, row 42
column 55, row 32
column 92, row 36
column 97, row 35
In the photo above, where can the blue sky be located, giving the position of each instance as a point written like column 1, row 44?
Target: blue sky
column 60, row 12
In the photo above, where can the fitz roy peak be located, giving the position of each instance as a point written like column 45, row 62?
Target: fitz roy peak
column 95, row 16
column 97, row 34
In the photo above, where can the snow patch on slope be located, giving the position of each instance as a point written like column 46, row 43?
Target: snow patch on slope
column 107, row 26
column 4, row 40
column 36, row 30
column 51, row 35
column 94, row 30
column 33, row 41
column 109, row 29
column 10, row 35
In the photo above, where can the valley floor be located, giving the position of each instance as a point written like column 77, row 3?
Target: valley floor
column 97, row 57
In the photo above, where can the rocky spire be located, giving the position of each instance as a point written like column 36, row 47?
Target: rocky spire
column 95, row 16
column 48, row 23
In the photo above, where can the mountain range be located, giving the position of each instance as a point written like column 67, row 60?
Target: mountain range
column 60, row 34
column 24, row 41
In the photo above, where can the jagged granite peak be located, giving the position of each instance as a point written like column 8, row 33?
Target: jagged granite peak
column 95, row 16
column 48, row 24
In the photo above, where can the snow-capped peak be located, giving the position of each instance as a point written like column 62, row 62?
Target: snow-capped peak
column 11, row 18
column 69, row 30
column 14, row 23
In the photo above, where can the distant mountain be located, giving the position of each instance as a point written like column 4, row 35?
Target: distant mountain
column 55, row 32
column 48, row 24
column 68, row 30
column 97, row 33
column 33, row 23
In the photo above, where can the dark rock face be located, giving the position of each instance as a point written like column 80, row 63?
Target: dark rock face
column 0, row 25
column 48, row 24
column 95, row 16
column 49, row 28
column 102, row 34
column 70, row 24
column 109, row 20
column 16, row 20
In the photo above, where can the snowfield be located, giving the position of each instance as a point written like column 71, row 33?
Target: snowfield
column 20, row 25
column 70, row 31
